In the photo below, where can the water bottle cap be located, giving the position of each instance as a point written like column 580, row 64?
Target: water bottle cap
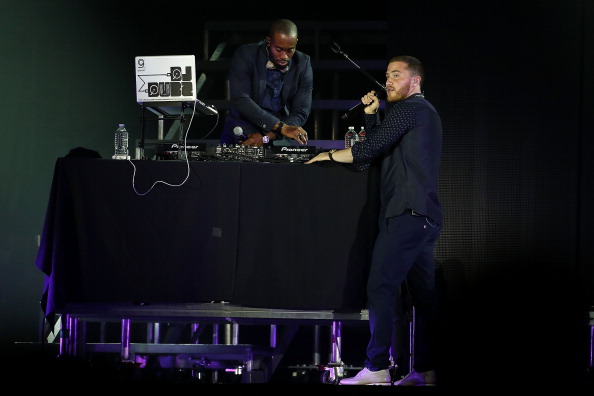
column 121, row 125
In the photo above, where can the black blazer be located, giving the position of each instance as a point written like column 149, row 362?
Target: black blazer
column 247, row 82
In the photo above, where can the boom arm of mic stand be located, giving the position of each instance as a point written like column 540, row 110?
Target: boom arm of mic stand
column 337, row 50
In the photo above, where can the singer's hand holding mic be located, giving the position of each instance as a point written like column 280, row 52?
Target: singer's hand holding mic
column 364, row 104
column 371, row 103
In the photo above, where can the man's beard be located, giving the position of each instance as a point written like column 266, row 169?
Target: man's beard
column 401, row 93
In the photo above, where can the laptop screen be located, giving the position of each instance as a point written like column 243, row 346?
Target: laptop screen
column 165, row 78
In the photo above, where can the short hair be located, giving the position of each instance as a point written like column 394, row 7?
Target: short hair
column 284, row 26
column 414, row 65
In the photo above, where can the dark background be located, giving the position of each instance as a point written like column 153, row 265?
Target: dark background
column 512, row 81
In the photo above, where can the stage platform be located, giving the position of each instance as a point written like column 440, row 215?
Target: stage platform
column 204, row 339
column 206, row 311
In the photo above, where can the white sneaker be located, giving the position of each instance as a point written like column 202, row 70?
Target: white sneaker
column 368, row 377
column 413, row 378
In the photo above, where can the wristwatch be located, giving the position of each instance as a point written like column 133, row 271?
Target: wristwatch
column 279, row 126
column 330, row 155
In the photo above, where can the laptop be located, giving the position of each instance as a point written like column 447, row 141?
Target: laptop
column 167, row 84
column 165, row 78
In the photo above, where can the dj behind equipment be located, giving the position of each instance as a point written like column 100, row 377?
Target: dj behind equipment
column 268, row 152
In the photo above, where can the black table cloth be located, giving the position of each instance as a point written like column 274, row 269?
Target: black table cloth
column 271, row 235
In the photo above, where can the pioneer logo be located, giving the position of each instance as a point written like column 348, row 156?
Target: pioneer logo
column 189, row 147
column 294, row 149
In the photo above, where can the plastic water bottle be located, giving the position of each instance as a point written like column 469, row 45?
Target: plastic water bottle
column 350, row 137
column 362, row 134
column 121, row 143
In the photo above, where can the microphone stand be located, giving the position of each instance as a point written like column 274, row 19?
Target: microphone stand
column 337, row 50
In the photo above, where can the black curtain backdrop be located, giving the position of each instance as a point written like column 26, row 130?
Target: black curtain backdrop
column 517, row 146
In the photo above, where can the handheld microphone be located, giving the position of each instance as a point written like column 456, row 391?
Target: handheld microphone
column 239, row 135
column 358, row 107
column 353, row 110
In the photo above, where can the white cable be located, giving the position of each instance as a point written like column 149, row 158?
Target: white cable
column 186, row 155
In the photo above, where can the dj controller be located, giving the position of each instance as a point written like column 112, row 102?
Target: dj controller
column 205, row 152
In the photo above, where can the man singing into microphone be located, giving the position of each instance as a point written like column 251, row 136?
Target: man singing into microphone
column 407, row 146
column 271, row 86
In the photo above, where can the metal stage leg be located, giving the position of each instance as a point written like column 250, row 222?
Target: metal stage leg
column 235, row 334
column 317, row 359
column 273, row 335
column 71, row 336
column 335, row 369
column 215, row 340
column 125, row 342
column 64, row 335
column 194, row 328
column 336, row 342
column 153, row 332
